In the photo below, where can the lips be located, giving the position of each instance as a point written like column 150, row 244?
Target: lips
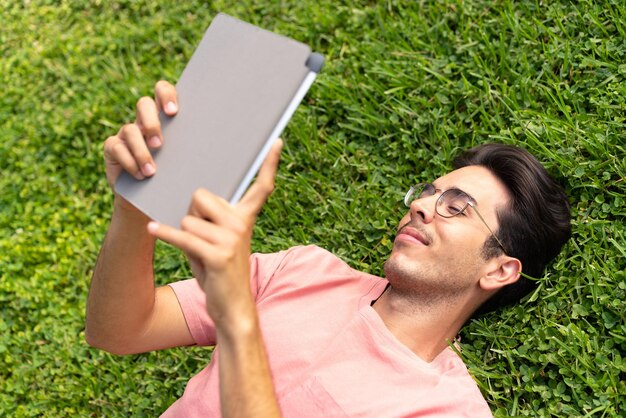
column 409, row 233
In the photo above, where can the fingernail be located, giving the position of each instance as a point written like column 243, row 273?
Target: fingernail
column 148, row 169
column 153, row 226
column 170, row 107
column 154, row 141
column 139, row 175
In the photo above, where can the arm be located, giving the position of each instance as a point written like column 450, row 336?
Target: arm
column 246, row 387
column 216, row 238
column 125, row 313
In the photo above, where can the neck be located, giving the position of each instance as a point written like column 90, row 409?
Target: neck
column 425, row 327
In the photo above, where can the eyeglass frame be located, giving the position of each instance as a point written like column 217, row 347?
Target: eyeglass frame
column 470, row 202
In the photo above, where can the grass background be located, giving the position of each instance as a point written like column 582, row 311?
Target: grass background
column 406, row 86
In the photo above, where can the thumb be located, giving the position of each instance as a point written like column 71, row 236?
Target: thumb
column 263, row 186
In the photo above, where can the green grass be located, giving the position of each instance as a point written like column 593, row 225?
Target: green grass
column 406, row 86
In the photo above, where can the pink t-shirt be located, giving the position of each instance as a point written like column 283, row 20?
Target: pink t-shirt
column 330, row 353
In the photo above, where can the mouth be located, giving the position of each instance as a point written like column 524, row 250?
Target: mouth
column 414, row 235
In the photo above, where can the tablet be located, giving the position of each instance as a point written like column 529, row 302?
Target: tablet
column 235, row 96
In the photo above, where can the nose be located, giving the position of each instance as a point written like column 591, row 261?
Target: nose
column 423, row 208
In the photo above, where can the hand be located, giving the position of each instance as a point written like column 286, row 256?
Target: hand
column 216, row 237
column 130, row 149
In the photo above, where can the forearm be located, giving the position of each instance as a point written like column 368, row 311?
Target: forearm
column 216, row 237
column 246, row 387
column 122, row 294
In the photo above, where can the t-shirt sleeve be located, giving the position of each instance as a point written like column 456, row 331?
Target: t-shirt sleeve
column 193, row 302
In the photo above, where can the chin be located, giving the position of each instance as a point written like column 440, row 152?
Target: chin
column 402, row 256
column 396, row 268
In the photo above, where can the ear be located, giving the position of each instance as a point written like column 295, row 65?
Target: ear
column 505, row 270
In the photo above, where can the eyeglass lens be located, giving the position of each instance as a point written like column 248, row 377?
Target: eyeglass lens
column 451, row 203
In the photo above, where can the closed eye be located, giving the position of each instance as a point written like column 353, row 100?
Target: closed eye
column 456, row 210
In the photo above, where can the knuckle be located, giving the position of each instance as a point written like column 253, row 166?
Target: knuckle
column 118, row 147
column 198, row 195
column 195, row 196
column 186, row 223
column 150, row 125
column 127, row 129
column 240, row 228
column 163, row 86
column 143, row 101
column 220, row 263
column 229, row 254
column 266, row 187
column 115, row 149
column 110, row 142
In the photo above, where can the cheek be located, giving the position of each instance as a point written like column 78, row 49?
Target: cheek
column 405, row 220
column 463, row 240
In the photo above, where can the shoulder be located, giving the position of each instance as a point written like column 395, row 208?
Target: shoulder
column 303, row 266
column 303, row 256
column 314, row 261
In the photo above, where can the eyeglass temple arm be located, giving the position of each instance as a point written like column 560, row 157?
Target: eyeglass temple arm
column 473, row 205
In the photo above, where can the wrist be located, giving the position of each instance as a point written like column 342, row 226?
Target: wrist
column 238, row 324
column 129, row 223
column 123, row 208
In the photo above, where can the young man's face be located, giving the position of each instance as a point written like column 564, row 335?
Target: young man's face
column 434, row 255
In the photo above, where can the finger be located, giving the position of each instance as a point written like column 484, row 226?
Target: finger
column 263, row 186
column 148, row 121
column 116, row 152
column 206, row 230
column 192, row 245
column 206, row 205
column 136, row 144
column 166, row 97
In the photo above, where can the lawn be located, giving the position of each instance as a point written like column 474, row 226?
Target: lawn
column 407, row 84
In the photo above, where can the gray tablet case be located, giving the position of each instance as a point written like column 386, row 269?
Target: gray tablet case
column 235, row 97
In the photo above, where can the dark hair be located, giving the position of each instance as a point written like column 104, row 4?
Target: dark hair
column 535, row 224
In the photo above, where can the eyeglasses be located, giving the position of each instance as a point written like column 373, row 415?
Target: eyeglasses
column 450, row 203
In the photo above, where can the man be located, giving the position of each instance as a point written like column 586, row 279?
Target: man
column 300, row 332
